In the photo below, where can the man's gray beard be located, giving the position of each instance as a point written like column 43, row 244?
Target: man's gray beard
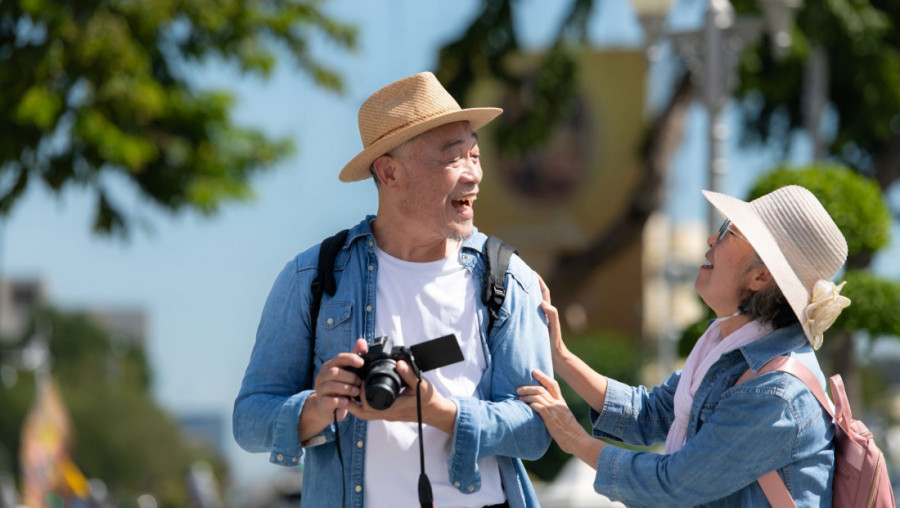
column 459, row 237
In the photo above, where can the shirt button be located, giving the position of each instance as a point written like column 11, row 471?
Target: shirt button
column 371, row 267
column 294, row 460
column 359, row 444
column 368, row 308
column 279, row 457
column 456, row 484
column 370, row 243
column 712, row 377
column 471, row 488
column 330, row 321
column 359, row 488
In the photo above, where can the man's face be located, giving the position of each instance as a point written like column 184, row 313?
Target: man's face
column 441, row 171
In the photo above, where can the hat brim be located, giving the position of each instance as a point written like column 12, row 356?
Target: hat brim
column 742, row 215
column 358, row 168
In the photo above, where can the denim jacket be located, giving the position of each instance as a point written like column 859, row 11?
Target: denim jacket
column 277, row 380
column 735, row 434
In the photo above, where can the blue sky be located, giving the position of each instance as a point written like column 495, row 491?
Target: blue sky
column 203, row 281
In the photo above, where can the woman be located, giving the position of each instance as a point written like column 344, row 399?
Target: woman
column 767, row 280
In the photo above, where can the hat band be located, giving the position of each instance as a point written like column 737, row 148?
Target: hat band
column 407, row 125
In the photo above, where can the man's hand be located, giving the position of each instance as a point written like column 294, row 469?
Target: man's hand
column 335, row 387
column 437, row 410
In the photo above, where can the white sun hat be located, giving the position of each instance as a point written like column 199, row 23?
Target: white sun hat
column 800, row 245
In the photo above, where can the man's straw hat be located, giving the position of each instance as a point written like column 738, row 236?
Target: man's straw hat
column 403, row 110
column 796, row 239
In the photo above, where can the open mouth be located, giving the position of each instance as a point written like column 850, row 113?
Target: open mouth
column 464, row 204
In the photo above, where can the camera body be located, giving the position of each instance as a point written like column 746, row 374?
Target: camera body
column 382, row 383
column 379, row 372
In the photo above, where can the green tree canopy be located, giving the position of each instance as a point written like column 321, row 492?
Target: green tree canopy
column 859, row 209
column 96, row 90
column 861, row 43
column 853, row 201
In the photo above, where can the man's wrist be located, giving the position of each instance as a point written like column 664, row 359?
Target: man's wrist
column 311, row 422
column 444, row 416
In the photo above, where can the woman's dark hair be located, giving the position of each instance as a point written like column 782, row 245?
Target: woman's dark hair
column 768, row 304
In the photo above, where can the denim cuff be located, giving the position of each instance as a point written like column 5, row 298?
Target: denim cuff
column 462, row 462
column 608, row 467
column 611, row 422
column 286, row 447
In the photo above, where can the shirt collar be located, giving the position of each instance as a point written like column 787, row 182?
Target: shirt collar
column 778, row 343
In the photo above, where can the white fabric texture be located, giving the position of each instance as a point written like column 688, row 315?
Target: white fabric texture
column 417, row 302
column 705, row 353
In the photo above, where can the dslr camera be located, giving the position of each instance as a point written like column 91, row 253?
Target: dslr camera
column 379, row 372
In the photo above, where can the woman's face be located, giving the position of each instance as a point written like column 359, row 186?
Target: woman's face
column 728, row 276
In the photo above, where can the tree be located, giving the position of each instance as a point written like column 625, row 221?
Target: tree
column 121, row 435
column 94, row 93
column 861, row 42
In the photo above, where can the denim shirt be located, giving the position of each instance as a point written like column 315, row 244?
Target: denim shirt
column 277, row 380
column 735, row 434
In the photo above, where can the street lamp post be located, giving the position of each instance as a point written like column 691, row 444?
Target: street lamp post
column 712, row 54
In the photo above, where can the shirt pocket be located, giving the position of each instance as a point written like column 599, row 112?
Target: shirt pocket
column 706, row 411
column 333, row 330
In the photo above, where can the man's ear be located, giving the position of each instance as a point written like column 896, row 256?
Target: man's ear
column 761, row 279
column 386, row 168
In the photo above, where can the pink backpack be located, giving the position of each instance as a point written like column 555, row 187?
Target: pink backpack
column 860, row 473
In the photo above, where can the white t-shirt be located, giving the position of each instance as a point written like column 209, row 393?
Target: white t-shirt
column 417, row 302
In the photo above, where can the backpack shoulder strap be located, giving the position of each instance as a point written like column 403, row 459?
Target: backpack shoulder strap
column 794, row 367
column 771, row 483
column 324, row 282
column 493, row 291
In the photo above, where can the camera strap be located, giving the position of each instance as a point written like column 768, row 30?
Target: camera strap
column 426, row 498
column 337, row 442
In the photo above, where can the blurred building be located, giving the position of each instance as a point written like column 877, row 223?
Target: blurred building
column 563, row 197
column 206, row 429
column 556, row 203
column 18, row 300
column 125, row 325
column 673, row 253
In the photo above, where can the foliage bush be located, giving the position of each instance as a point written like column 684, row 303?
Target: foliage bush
column 853, row 201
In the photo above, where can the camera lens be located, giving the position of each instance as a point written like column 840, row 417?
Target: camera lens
column 382, row 384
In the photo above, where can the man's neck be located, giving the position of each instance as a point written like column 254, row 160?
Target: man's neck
column 410, row 245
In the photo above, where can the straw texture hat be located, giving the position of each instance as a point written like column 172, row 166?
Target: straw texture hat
column 801, row 246
column 401, row 111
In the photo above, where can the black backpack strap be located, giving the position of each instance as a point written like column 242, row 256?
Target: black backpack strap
column 493, row 291
column 323, row 283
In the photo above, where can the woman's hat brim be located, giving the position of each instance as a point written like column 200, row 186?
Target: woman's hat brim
column 358, row 168
column 742, row 215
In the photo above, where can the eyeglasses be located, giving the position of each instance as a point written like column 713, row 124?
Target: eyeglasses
column 726, row 228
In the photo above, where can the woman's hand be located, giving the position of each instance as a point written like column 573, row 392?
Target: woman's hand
column 548, row 402
column 557, row 346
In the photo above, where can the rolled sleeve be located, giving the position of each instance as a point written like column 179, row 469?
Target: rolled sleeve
column 503, row 425
column 634, row 415
column 747, row 435
column 273, row 392
column 286, row 447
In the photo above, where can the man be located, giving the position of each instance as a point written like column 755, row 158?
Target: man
column 413, row 272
